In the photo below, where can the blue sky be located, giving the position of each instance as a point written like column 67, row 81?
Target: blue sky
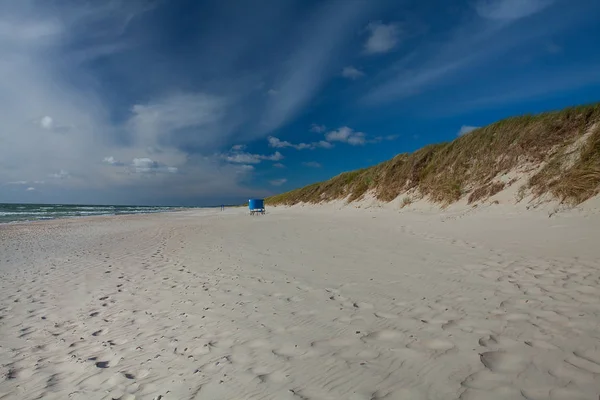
column 202, row 102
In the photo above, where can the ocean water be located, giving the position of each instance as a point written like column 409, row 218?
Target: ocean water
column 37, row 212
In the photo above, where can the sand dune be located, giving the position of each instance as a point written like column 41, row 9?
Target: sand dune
column 299, row 304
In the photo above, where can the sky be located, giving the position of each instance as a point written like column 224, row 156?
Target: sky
column 215, row 101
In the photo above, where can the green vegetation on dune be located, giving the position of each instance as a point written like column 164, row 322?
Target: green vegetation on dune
column 562, row 149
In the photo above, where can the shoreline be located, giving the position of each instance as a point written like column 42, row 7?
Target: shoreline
column 69, row 217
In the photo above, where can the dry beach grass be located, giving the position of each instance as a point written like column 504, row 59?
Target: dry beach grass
column 562, row 149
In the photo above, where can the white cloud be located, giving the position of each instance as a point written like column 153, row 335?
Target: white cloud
column 46, row 122
column 146, row 165
column 279, row 165
column 110, row 160
column 510, row 9
column 278, row 182
column 143, row 165
column 272, row 92
column 245, row 169
column 62, row 174
column 466, row 129
column 318, row 128
column 351, row 72
column 323, row 144
column 248, row 158
column 17, row 183
column 379, row 139
column 277, row 143
column 312, row 164
column 242, row 158
column 238, row 147
column 44, row 49
column 346, row 135
column 280, row 144
column 382, row 37
column 274, row 157
column 30, row 189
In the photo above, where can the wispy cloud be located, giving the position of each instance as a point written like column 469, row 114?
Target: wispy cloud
column 312, row 164
column 342, row 135
column 279, row 165
column 493, row 31
column 181, row 119
column 62, row 174
column 280, row 144
column 310, row 63
column 46, row 122
column 351, row 72
column 112, row 161
column 278, row 182
column 382, row 37
column 510, row 9
column 237, row 156
column 148, row 166
column 378, row 139
column 318, row 128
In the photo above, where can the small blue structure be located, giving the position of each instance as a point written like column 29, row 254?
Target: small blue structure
column 256, row 206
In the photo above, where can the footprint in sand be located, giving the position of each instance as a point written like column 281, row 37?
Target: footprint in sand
column 358, row 354
column 400, row 394
column 541, row 344
column 497, row 361
column 386, row 335
column 289, row 351
column 385, row 315
column 266, row 376
column 497, row 341
column 586, row 363
column 485, row 380
column 257, row 344
column 336, row 342
column 438, row 345
column 362, row 305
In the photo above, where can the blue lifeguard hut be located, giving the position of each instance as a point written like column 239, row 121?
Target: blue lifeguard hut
column 256, row 206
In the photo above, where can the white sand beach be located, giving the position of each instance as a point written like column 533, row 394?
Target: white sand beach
column 304, row 303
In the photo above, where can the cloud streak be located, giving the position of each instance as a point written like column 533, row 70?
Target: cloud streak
column 311, row 61
column 278, row 182
column 494, row 30
column 510, row 9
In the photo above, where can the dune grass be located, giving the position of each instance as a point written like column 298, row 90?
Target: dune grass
column 470, row 164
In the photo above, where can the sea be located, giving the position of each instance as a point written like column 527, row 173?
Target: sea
column 37, row 212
